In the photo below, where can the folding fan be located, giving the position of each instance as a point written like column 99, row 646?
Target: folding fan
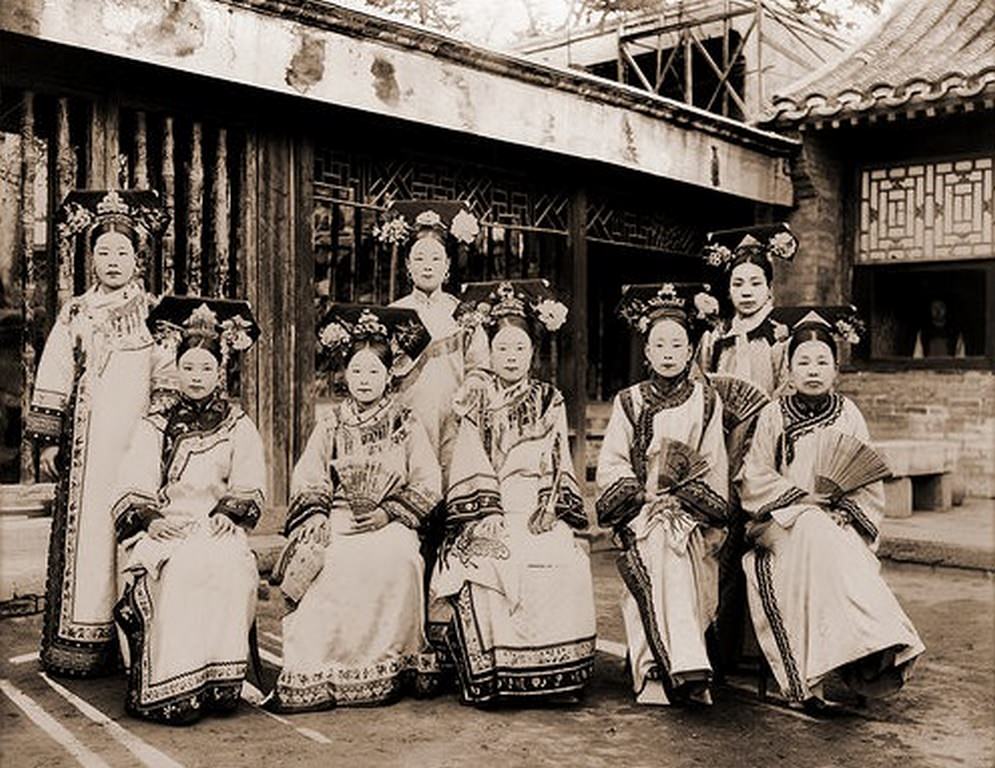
column 741, row 399
column 679, row 464
column 365, row 481
column 845, row 463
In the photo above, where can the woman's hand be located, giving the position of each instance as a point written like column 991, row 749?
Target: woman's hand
column 315, row 527
column 541, row 521
column 46, row 462
column 163, row 529
column 222, row 525
column 367, row 521
column 491, row 527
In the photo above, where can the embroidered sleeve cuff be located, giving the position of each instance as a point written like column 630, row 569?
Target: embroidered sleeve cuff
column 303, row 505
column 786, row 499
column 243, row 509
column 703, row 503
column 408, row 506
column 619, row 503
column 133, row 514
column 569, row 507
column 472, row 506
column 858, row 518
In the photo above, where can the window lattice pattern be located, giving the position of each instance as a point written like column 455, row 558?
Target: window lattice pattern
column 927, row 212
column 375, row 181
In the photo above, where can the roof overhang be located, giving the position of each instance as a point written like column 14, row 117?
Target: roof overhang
column 326, row 53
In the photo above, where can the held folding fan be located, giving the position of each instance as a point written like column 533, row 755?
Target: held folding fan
column 679, row 464
column 845, row 463
column 365, row 482
column 741, row 399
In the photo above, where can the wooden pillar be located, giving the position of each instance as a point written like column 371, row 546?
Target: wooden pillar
column 65, row 181
column 576, row 362
column 27, row 208
column 195, row 212
column 248, row 266
column 221, row 219
column 141, row 152
column 169, row 199
column 303, row 293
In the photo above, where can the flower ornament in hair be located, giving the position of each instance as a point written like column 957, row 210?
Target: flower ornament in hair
column 706, row 306
column 478, row 316
column 368, row 325
column 428, row 218
column 850, row 329
column 203, row 319
column 464, row 226
column 392, row 232
column 334, row 336
column 552, row 314
column 783, row 245
column 76, row 219
column 235, row 333
column 718, row 256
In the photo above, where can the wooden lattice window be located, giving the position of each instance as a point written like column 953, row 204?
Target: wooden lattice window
column 935, row 211
column 925, row 262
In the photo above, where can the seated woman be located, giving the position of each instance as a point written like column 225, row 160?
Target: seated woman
column 192, row 484
column 662, row 485
column 517, row 582
column 362, row 488
column 816, row 595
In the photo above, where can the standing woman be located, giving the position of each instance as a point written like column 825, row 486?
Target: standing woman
column 359, row 494
column 428, row 388
column 662, row 487
column 191, row 486
column 95, row 380
column 516, row 579
column 749, row 346
column 816, row 595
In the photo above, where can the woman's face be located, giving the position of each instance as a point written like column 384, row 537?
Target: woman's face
column 199, row 373
column 748, row 288
column 366, row 377
column 813, row 368
column 511, row 354
column 428, row 264
column 114, row 259
column 668, row 348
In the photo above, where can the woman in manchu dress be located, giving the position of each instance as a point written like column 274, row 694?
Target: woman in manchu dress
column 515, row 579
column 191, row 487
column 361, row 490
column 669, row 534
column 816, row 595
column 97, row 375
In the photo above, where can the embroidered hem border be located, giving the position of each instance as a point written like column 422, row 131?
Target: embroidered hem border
column 67, row 648
column 486, row 674
column 363, row 686
column 763, row 566
column 633, row 571
column 182, row 698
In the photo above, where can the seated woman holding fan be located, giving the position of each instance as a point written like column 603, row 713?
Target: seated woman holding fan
column 662, row 484
column 367, row 479
column 191, row 486
column 516, row 581
column 812, row 489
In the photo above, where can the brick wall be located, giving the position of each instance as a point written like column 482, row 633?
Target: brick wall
column 819, row 273
column 958, row 406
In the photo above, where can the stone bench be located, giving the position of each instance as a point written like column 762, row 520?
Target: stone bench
column 922, row 475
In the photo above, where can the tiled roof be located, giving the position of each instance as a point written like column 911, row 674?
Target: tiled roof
column 926, row 54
